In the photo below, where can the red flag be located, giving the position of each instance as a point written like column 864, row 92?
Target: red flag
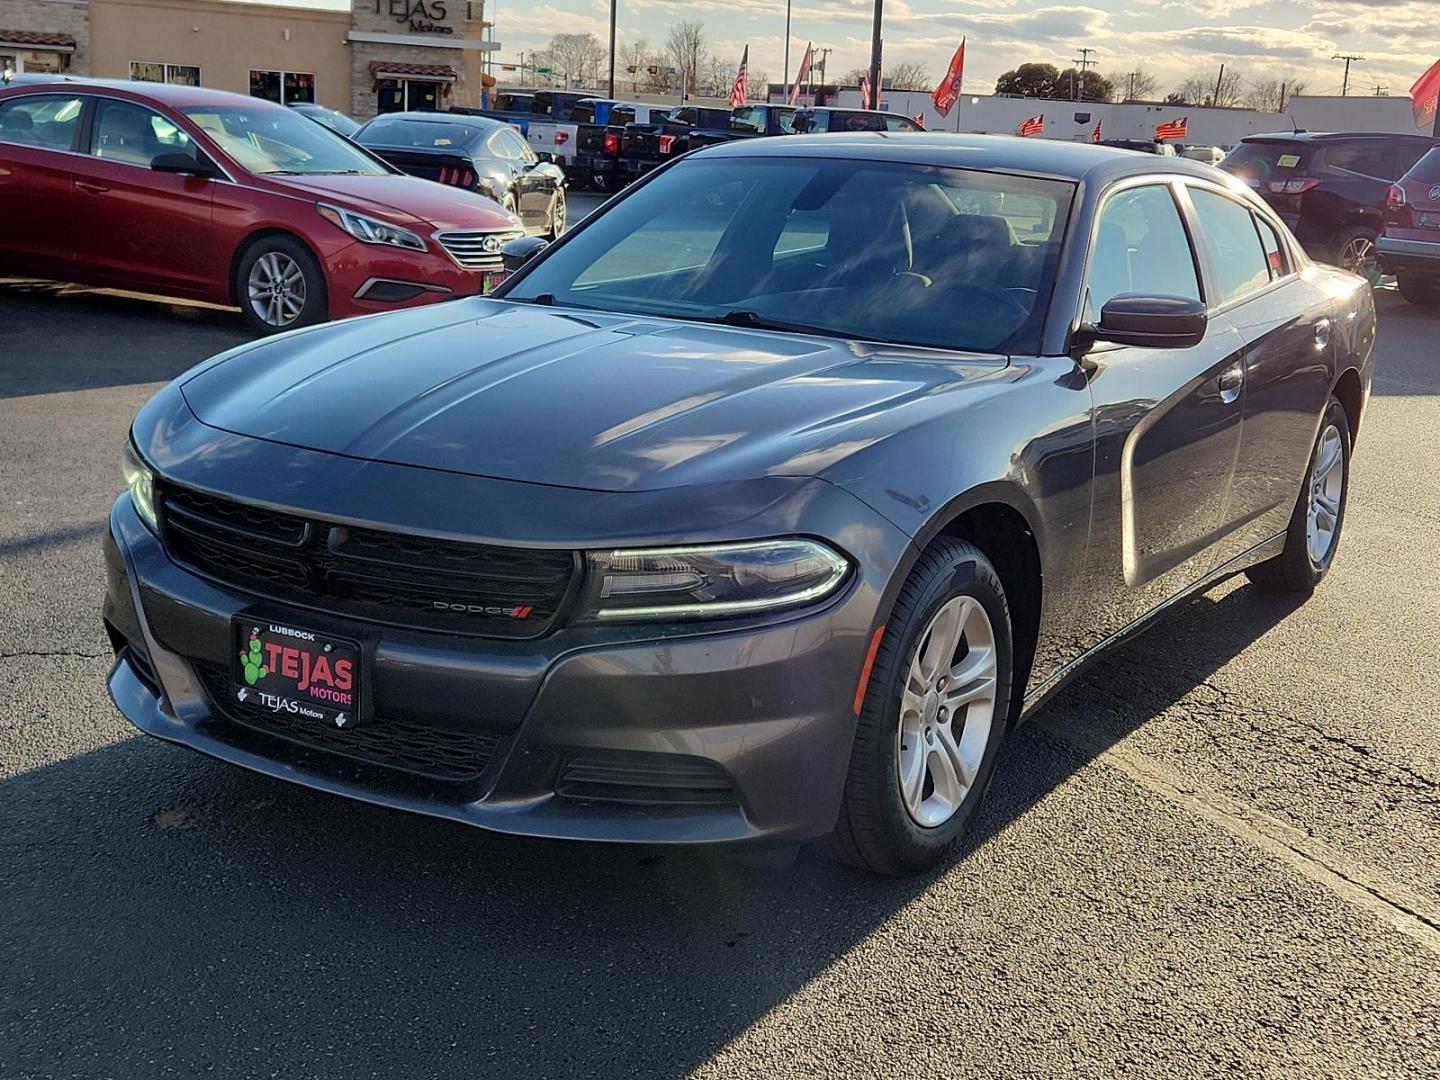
column 1423, row 97
column 1172, row 129
column 948, row 92
column 737, row 92
column 803, row 75
column 1034, row 126
column 919, row 118
column 1095, row 135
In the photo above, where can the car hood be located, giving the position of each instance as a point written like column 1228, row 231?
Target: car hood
column 405, row 199
column 576, row 399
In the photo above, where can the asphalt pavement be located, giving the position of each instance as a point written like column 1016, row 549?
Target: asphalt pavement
column 1218, row 853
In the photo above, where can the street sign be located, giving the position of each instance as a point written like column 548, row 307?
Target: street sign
column 544, row 71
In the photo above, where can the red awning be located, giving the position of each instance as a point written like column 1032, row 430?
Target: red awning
column 63, row 42
column 383, row 69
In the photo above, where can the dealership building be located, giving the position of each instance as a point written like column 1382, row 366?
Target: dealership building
column 369, row 57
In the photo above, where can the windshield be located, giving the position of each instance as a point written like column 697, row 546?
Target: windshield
column 419, row 134
column 912, row 254
column 278, row 141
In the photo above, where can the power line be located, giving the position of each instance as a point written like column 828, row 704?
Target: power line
column 1347, row 57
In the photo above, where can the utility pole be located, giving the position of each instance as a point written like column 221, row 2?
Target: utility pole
column 1130, row 93
column 824, row 55
column 1381, row 90
column 612, row 48
column 786, row 79
column 1082, row 62
column 875, row 55
column 1219, row 79
column 1282, row 97
column 1347, row 57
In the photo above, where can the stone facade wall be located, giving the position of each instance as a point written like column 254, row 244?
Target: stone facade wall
column 406, row 19
column 53, row 17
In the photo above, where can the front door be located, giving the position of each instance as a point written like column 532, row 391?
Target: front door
column 140, row 228
column 1167, row 421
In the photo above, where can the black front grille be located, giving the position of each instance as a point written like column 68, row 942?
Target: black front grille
column 645, row 779
column 366, row 573
column 417, row 749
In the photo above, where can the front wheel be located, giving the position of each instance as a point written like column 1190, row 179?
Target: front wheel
column 1422, row 290
column 933, row 715
column 1313, row 535
column 279, row 285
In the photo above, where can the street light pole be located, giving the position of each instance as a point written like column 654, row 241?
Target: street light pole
column 612, row 48
column 786, row 78
column 875, row 57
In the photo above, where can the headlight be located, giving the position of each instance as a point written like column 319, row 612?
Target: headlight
column 141, row 482
column 370, row 230
column 710, row 581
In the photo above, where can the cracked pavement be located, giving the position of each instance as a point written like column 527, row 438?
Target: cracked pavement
column 1216, row 853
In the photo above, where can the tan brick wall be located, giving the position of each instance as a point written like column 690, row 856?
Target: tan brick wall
column 53, row 17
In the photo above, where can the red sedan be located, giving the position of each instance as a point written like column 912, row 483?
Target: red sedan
column 218, row 197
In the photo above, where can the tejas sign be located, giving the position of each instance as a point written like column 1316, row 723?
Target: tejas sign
column 423, row 18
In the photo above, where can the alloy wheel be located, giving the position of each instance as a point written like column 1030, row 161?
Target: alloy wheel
column 276, row 289
column 557, row 216
column 1327, row 488
column 1359, row 257
column 947, row 709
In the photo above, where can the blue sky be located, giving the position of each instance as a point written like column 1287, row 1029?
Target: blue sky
column 1282, row 39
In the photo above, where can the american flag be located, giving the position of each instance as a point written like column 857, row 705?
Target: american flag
column 1095, row 135
column 738, row 92
column 1034, row 126
column 801, row 76
column 1172, row 129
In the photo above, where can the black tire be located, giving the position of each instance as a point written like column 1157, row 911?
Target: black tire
column 315, row 305
column 558, row 216
column 876, row 831
column 1358, row 234
column 1295, row 569
column 1422, row 290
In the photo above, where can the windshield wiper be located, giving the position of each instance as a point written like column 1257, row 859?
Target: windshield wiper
column 755, row 321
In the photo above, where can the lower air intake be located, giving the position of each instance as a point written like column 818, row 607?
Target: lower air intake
column 646, row 779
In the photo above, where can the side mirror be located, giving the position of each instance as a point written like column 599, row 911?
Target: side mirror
column 182, row 163
column 521, row 250
column 1154, row 322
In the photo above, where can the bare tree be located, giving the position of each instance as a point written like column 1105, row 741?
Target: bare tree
column 684, row 49
column 1136, row 85
column 1272, row 95
column 1229, row 91
column 908, row 76
column 634, row 60
column 577, row 56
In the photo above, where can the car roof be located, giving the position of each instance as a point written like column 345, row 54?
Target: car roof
column 990, row 153
column 171, row 94
column 1329, row 136
column 468, row 119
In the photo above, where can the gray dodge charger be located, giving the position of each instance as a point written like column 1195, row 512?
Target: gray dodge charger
column 756, row 510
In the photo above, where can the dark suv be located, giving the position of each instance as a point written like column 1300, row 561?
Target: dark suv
column 1410, row 248
column 1329, row 188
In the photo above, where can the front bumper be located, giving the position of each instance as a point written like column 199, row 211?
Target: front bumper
column 363, row 279
column 739, row 735
column 1399, row 254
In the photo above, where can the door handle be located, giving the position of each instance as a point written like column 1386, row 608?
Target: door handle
column 93, row 189
column 1231, row 380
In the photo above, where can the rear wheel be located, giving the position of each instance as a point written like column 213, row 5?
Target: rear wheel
column 1355, row 251
column 933, row 716
column 1423, row 290
column 279, row 285
column 557, row 215
column 1313, row 536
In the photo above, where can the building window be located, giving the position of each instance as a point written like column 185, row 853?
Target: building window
column 283, row 87
column 154, row 71
column 408, row 95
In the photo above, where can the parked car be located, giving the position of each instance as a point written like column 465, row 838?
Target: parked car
column 599, row 133
column 1410, row 246
column 473, row 153
column 646, row 146
column 758, row 509
column 196, row 193
column 810, row 121
column 1330, row 189
column 1210, row 155
column 333, row 119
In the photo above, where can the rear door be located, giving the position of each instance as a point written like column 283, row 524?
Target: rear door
column 1285, row 322
column 139, row 228
column 1168, row 421
column 39, row 138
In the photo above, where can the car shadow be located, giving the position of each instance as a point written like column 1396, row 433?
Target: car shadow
column 166, row 912
column 57, row 337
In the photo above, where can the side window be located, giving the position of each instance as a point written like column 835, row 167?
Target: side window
column 132, row 133
column 48, row 120
column 1368, row 157
column 900, row 123
column 1276, row 256
column 1241, row 265
column 1141, row 247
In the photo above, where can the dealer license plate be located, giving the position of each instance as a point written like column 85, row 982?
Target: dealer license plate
column 490, row 280
column 301, row 673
